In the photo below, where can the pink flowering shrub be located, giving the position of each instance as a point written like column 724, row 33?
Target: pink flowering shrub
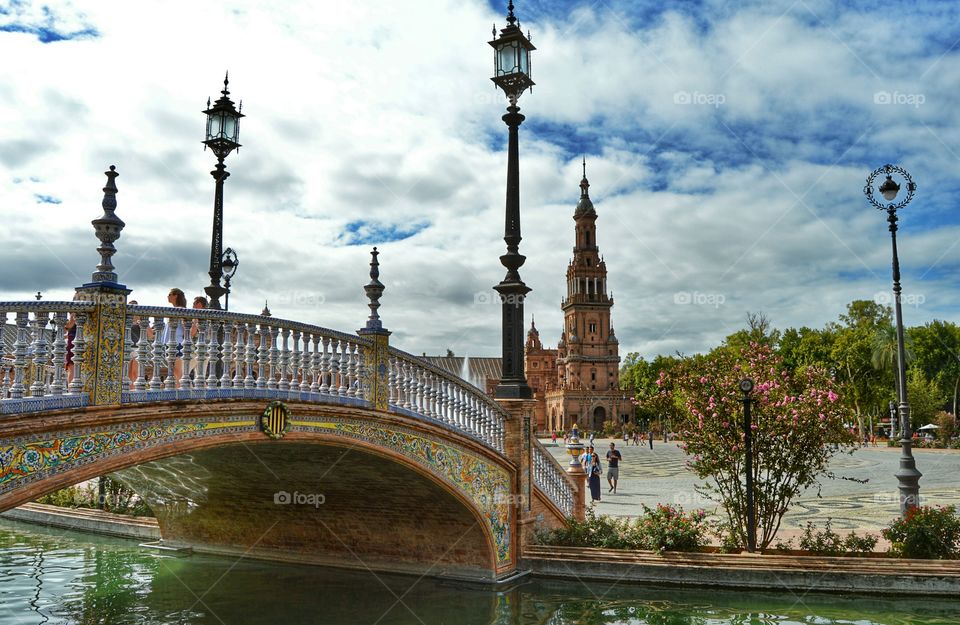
column 797, row 427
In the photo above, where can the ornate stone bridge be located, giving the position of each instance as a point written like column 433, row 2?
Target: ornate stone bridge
column 269, row 437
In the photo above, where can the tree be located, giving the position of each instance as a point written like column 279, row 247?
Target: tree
column 798, row 418
column 925, row 399
column 759, row 330
column 937, row 349
column 865, row 390
column 886, row 353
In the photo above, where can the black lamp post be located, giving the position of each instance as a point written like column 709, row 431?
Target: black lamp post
column 908, row 476
column 746, row 387
column 223, row 130
column 228, row 264
column 512, row 74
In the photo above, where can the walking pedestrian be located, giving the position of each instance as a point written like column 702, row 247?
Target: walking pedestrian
column 650, row 438
column 613, row 467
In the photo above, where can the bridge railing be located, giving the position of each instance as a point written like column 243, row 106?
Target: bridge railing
column 420, row 388
column 184, row 353
column 549, row 476
column 34, row 374
column 197, row 352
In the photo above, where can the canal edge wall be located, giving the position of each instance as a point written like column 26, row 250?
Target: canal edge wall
column 864, row 576
column 86, row 520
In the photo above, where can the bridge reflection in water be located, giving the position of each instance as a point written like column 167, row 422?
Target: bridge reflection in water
column 406, row 454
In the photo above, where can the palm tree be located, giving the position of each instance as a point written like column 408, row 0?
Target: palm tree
column 884, row 356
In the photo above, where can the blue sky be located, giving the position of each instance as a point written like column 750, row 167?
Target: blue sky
column 727, row 146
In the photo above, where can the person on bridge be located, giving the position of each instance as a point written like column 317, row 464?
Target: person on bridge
column 650, row 438
column 613, row 467
column 177, row 299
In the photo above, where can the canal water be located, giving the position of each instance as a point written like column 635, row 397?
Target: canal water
column 56, row 577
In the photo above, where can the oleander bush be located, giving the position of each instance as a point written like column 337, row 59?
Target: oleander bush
column 665, row 528
column 926, row 532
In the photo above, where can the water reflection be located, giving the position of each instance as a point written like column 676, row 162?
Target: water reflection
column 48, row 576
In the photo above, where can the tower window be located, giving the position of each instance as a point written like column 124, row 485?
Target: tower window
column 593, row 327
column 587, row 233
column 589, row 263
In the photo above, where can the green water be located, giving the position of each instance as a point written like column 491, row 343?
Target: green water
column 50, row 576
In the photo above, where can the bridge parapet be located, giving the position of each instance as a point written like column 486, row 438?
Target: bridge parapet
column 182, row 353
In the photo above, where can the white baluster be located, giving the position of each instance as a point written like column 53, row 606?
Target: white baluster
column 127, row 351
column 203, row 353
column 173, row 328
column 274, row 358
column 143, row 356
column 306, row 364
column 295, row 360
column 284, row 360
column 354, row 379
column 239, row 355
column 325, row 367
column 250, row 357
column 340, row 367
column 263, row 355
column 225, row 377
column 59, row 353
column 214, row 350
column 187, row 349
column 79, row 354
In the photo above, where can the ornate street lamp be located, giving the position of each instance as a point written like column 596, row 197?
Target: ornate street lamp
column 223, row 130
column 228, row 265
column 512, row 75
column 908, row 476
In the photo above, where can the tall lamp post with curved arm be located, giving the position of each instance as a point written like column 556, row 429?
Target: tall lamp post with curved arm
column 908, row 476
column 223, row 131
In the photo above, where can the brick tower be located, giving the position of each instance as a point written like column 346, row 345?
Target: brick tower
column 588, row 362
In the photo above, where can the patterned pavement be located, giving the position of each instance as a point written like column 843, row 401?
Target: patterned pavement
column 660, row 476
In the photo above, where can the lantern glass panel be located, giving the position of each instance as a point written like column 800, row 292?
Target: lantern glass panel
column 524, row 59
column 229, row 127
column 210, row 126
column 508, row 59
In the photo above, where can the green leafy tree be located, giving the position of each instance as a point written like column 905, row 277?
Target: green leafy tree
column 798, row 418
column 925, row 399
column 866, row 390
column 936, row 346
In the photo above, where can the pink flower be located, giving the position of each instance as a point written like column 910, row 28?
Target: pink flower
column 832, row 396
column 703, row 380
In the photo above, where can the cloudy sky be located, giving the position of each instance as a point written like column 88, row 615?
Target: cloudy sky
column 727, row 145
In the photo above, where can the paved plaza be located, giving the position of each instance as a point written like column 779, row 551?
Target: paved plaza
column 660, row 476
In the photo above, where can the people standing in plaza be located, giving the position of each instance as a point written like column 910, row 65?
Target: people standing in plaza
column 650, row 438
column 593, row 476
column 586, row 459
column 613, row 467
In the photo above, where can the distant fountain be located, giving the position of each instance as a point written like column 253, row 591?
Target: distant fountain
column 465, row 370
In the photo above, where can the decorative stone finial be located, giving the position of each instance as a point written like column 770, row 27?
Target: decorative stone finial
column 374, row 290
column 266, row 310
column 108, row 227
column 511, row 18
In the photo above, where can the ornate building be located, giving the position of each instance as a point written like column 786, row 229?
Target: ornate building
column 579, row 382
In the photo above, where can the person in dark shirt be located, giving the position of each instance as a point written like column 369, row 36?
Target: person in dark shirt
column 613, row 468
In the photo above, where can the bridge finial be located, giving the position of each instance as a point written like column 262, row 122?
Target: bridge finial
column 374, row 290
column 108, row 227
column 266, row 310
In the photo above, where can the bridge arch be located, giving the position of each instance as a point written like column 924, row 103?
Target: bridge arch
column 452, row 478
